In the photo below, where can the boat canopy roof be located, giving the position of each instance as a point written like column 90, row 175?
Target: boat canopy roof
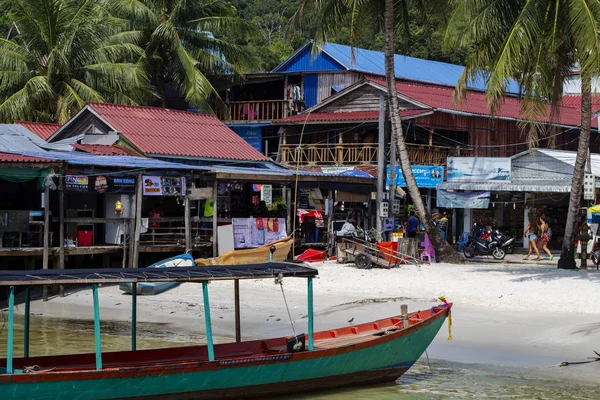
column 174, row 274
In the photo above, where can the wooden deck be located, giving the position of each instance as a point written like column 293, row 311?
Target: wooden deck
column 86, row 250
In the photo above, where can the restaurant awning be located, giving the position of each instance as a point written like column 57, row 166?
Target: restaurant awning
column 540, row 187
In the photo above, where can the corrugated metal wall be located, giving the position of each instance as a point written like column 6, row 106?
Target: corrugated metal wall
column 338, row 80
column 540, row 167
column 304, row 62
column 311, row 89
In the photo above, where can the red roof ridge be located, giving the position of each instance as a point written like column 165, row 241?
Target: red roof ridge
column 36, row 122
column 152, row 108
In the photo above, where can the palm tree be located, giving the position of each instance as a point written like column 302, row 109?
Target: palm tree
column 371, row 15
column 535, row 42
column 185, row 44
column 62, row 54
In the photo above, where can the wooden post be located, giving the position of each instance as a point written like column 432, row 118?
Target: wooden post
column 209, row 338
column 285, row 93
column 404, row 312
column 380, row 163
column 236, row 294
column 138, row 221
column 97, row 327
column 290, row 210
column 61, row 229
column 45, row 255
column 131, row 227
column 214, row 221
column 188, row 230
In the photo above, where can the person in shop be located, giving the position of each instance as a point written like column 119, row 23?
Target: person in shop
column 531, row 232
column 261, row 209
column 442, row 224
column 545, row 238
column 156, row 212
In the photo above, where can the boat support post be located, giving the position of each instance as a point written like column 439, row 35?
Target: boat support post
column 209, row 337
column 311, row 344
column 133, row 315
column 11, row 326
column 26, row 324
column 97, row 326
column 236, row 295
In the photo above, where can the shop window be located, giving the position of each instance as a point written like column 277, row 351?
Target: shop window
column 444, row 137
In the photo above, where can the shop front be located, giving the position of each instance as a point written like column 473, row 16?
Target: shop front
column 505, row 192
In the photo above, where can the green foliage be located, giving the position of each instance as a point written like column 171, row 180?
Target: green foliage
column 186, row 44
column 63, row 54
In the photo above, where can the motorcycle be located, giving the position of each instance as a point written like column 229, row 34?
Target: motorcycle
column 491, row 242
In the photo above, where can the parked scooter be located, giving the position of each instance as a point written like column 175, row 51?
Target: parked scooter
column 491, row 242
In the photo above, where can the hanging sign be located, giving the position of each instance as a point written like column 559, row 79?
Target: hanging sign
column 266, row 194
column 589, row 187
column 447, row 199
column 256, row 232
column 163, row 185
column 99, row 184
column 479, row 169
column 426, row 176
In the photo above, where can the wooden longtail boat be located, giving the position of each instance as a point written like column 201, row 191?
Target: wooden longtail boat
column 252, row 256
column 373, row 352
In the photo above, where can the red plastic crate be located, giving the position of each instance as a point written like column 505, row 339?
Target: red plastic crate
column 85, row 238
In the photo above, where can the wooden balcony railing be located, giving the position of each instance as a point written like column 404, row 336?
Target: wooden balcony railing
column 363, row 154
column 259, row 110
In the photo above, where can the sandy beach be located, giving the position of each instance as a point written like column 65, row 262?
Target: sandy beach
column 527, row 316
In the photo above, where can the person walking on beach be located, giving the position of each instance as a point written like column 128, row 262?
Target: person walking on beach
column 411, row 233
column 545, row 238
column 532, row 232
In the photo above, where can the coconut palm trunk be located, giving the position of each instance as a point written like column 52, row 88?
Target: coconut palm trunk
column 445, row 252
column 567, row 256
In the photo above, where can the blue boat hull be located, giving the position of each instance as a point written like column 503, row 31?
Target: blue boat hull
column 152, row 288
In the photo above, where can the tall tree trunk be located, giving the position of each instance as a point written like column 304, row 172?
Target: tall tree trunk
column 567, row 256
column 445, row 252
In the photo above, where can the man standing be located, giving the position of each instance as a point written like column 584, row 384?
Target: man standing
column 411, row 234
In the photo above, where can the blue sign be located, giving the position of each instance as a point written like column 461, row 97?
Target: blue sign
column 252, row 135
column 426, row 176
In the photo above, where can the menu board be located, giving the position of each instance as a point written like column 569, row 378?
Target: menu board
column 163, row 185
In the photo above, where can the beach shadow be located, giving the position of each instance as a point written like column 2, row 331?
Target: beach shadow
column 540, row 273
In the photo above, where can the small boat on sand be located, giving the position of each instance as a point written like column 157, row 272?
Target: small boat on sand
column 373, row 352
column 251, row 256
column 150, row 288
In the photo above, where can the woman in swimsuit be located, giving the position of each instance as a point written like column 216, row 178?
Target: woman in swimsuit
column 533, row 231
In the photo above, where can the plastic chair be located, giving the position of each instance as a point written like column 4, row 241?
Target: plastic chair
column 428, row 250
column 464, row 238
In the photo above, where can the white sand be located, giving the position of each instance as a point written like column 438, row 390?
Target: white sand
column 531, row 316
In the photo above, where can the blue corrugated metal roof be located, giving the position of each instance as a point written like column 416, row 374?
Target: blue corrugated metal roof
column 303, row 61
column 373, row 62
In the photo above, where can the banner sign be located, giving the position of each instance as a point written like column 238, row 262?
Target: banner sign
column 446, row 199
column 251, row 134
column 479, row 169
column 426, row 176
column 164, row 185
column 99, row 184
column 255, row 232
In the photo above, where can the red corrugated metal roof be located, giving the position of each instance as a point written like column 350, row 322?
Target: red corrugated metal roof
column 42, row 129
column 178, row 133
column 102, row 150
column 9, row 157
column 351, row 116
column 442, row 97
column 574, row 101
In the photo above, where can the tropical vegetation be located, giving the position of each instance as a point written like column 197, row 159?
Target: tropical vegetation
column 536, row 42
column 62, row 54
column 390, row 17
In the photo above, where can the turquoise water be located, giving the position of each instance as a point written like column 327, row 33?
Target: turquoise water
column 435, row 380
